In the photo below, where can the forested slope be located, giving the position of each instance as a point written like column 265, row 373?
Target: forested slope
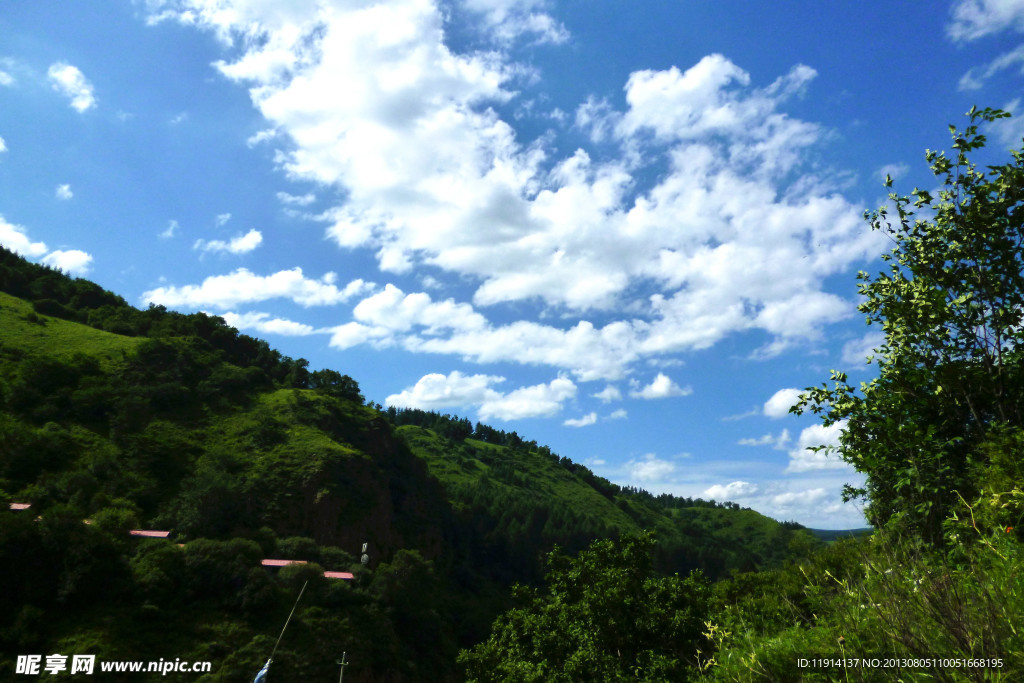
column 153, row 419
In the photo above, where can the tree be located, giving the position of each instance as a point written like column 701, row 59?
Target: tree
column 951, row 307
column 335, row 384
column 605, row 616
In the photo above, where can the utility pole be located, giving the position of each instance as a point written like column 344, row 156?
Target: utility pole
column 342, row 663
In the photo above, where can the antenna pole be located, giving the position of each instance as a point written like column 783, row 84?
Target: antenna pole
column 288, row 620
column 343, row 663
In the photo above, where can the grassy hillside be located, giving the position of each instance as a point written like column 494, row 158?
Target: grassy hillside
column 25, row 332
column 153, row 419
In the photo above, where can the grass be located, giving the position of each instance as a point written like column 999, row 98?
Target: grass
column 23, row 329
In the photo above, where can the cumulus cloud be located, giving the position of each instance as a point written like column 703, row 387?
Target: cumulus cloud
column 661, row 387
column 781, row 401
column 3, row 145
column 507, row 20
column 619, row 414
column 222, row 219
column 608, row 394
column 454, row 390
column 64, row 192
column 243, row 286
column 803, row 459
column 418, row 323
column 6, row 78
column 650, row 468
column 973, row 19
column 710, row 204
column 588, row 419
column 71, row 261
column 731, row 491
column 540, row 400
column 436, row 391
column 264, row 323
column 13, row 237
column 242, row 244
column 69, row 81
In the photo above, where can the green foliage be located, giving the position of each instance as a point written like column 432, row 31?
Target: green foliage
column 884, row 598
column 951, row 306
column 604, row 616
column 159, row 420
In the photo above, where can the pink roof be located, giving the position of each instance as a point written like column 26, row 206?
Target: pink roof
column 20, row 506
column 280, row 563
column 339, row 575
column 150, row 533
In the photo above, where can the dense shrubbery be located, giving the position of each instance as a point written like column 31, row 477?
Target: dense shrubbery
column 605, row 615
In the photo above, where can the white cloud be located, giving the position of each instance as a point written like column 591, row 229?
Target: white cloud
column 71, row 82
column 753, row 412
column 856, row 351
column 731, row 491
column 779, row 442
column 296, row 200
column 6, row 79
column 541, row 400
column 71, row 261
column 243, row 286
column 976, row 77
column 172, row 228
column 13, row 237
column 3, row 145
column 608, row 394
column 352, row 334
column 650, row 468
column 781, row 401
column 806, row 497
column 261, row 136
column 222, row 219
column 436, row 391
column 894, row 171
column 1010, row 131
column 64, row 192
column 588, row 419
column 263, row 323
column 802, row 459
column 973, row 19
column 242, row 244
column 711, row 203
column 619, row 414
column 507, row 20
column 661, row 387
column 420, row 324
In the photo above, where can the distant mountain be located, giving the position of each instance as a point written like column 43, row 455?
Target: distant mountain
column 150, row 419
column 829, row 535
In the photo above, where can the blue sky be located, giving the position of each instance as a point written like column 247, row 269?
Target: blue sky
column 629, row 235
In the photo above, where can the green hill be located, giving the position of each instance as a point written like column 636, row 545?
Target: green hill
column 157, row 420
